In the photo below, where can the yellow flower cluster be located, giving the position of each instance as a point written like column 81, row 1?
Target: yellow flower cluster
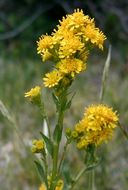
column 37, row 146
column 52, row 78
column 71, row 66
column 96, row 127
column 34, row 93
column 42, row 187
column 68, row 46
column 59, row 186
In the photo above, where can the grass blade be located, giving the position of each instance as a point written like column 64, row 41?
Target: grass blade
column 105, row 74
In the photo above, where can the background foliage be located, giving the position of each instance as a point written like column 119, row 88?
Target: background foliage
column 23, row 21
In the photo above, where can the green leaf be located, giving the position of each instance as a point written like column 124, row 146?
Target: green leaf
column 40, row 169
column 68, row 105
column 57, row 134
column 48, row 143
column 64, row 105
column 56, row 100
column 66, row 173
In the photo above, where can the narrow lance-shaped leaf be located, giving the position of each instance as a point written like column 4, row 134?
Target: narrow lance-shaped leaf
column 57, row 134
column 105, row 74
column 56, row 100
column 40, row 169
column 68, row 105
column 48, row 143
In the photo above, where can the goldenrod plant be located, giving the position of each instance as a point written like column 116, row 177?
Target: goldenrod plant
column 68, row 48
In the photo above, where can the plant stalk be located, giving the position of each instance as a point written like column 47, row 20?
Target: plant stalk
column 56, row 150
column 91, row 180
column 79, row 175
column 63, row 156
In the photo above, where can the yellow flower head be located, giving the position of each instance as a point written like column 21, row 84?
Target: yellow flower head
column 62, row 30
column 71, row 66
column 94, row 35
column 42, row 187
column 69, row 45
column 75, row 22
column 46, row 55
column 38, row 146
column 71, row 40
column 77, row 19
column 60, row 185
column 96, row 126
column 84, row 55
column 81, row 26
column 45, row 42
column 52, row 79
column 97, row 117
column 34, row 93
column 94, row 137
column 100, row 39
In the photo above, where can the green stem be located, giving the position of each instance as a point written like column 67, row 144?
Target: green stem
column 63, row 156
column 79, row 175
column 55, row 161
column 57, row 136
column 91, row 180
column 89, row 168
column 56, row 150
column 90, row 161
column 46, row 168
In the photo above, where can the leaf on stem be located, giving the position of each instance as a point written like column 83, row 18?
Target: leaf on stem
column 56, row 100
column 57, row 134
column 68, row 105
column 66, row 173
column 48, row 143
column 40, row 169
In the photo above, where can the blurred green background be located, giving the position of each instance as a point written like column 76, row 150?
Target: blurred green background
column 22, row 22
